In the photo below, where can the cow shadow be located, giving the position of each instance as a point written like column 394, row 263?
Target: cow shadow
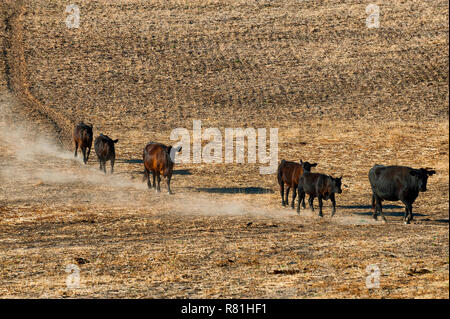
column 370, row 207
column 234, row 190
column 369, row 213
column 131, row 161
column 181, row 172
column 394, row 214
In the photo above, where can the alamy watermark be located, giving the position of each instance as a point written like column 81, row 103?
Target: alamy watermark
column 373, row 278
column 73, row 277
column 373, row 20
column 212, row 152
column 73, row 19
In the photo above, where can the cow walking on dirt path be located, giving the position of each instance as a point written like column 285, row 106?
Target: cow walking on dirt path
column 82, row 137
column 105, row 150
column 159, row 160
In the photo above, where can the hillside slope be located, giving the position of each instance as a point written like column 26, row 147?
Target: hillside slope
column 342, row 95
column 159, row 64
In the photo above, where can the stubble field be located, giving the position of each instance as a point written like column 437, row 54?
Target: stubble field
column 341, row 94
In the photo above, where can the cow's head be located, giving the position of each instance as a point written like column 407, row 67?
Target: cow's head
column 307, row 166
column 421, row 177
column 89, row 128
column 336, row 185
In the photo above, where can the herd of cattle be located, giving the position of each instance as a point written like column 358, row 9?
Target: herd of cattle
column 156, row 156
column 391, row 183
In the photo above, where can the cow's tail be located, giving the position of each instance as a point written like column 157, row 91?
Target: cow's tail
column 146, row 171
column 279, row 171
column 146, row 174
column 373, row 203
column 168, row 166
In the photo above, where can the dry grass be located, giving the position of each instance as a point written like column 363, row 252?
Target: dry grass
column 341, row 95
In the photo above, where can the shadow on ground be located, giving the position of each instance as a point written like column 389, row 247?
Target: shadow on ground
column 385, row 213
column 131, row 161
column 370, row 207
column 234, row 190
column 396, row 214
column 442, row 220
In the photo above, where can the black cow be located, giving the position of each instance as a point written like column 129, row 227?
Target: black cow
column 105, row 150
column 321, row 186
column 393, row 183
column 82, row 137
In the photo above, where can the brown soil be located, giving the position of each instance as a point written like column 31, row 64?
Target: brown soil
column 341, row 95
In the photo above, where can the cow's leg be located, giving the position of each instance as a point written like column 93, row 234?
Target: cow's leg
column 154, row 179
column 83, row 149
column 320, row 205
column 287, row 195
column 374, row 208
column 408, row 207
column 88, row 152
column 294, row 195
column 104, row 167
column 147, row 175
column 380, row 208
column 405, row 216
column 303, row 201
column 282, row 193
column 100, row 161
column 169, row 177
column 112, row 165
column 301, row 195
column 408, row 212
column 76, row 149
column 311, row 202
column 158, row 177
column 333, row 202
